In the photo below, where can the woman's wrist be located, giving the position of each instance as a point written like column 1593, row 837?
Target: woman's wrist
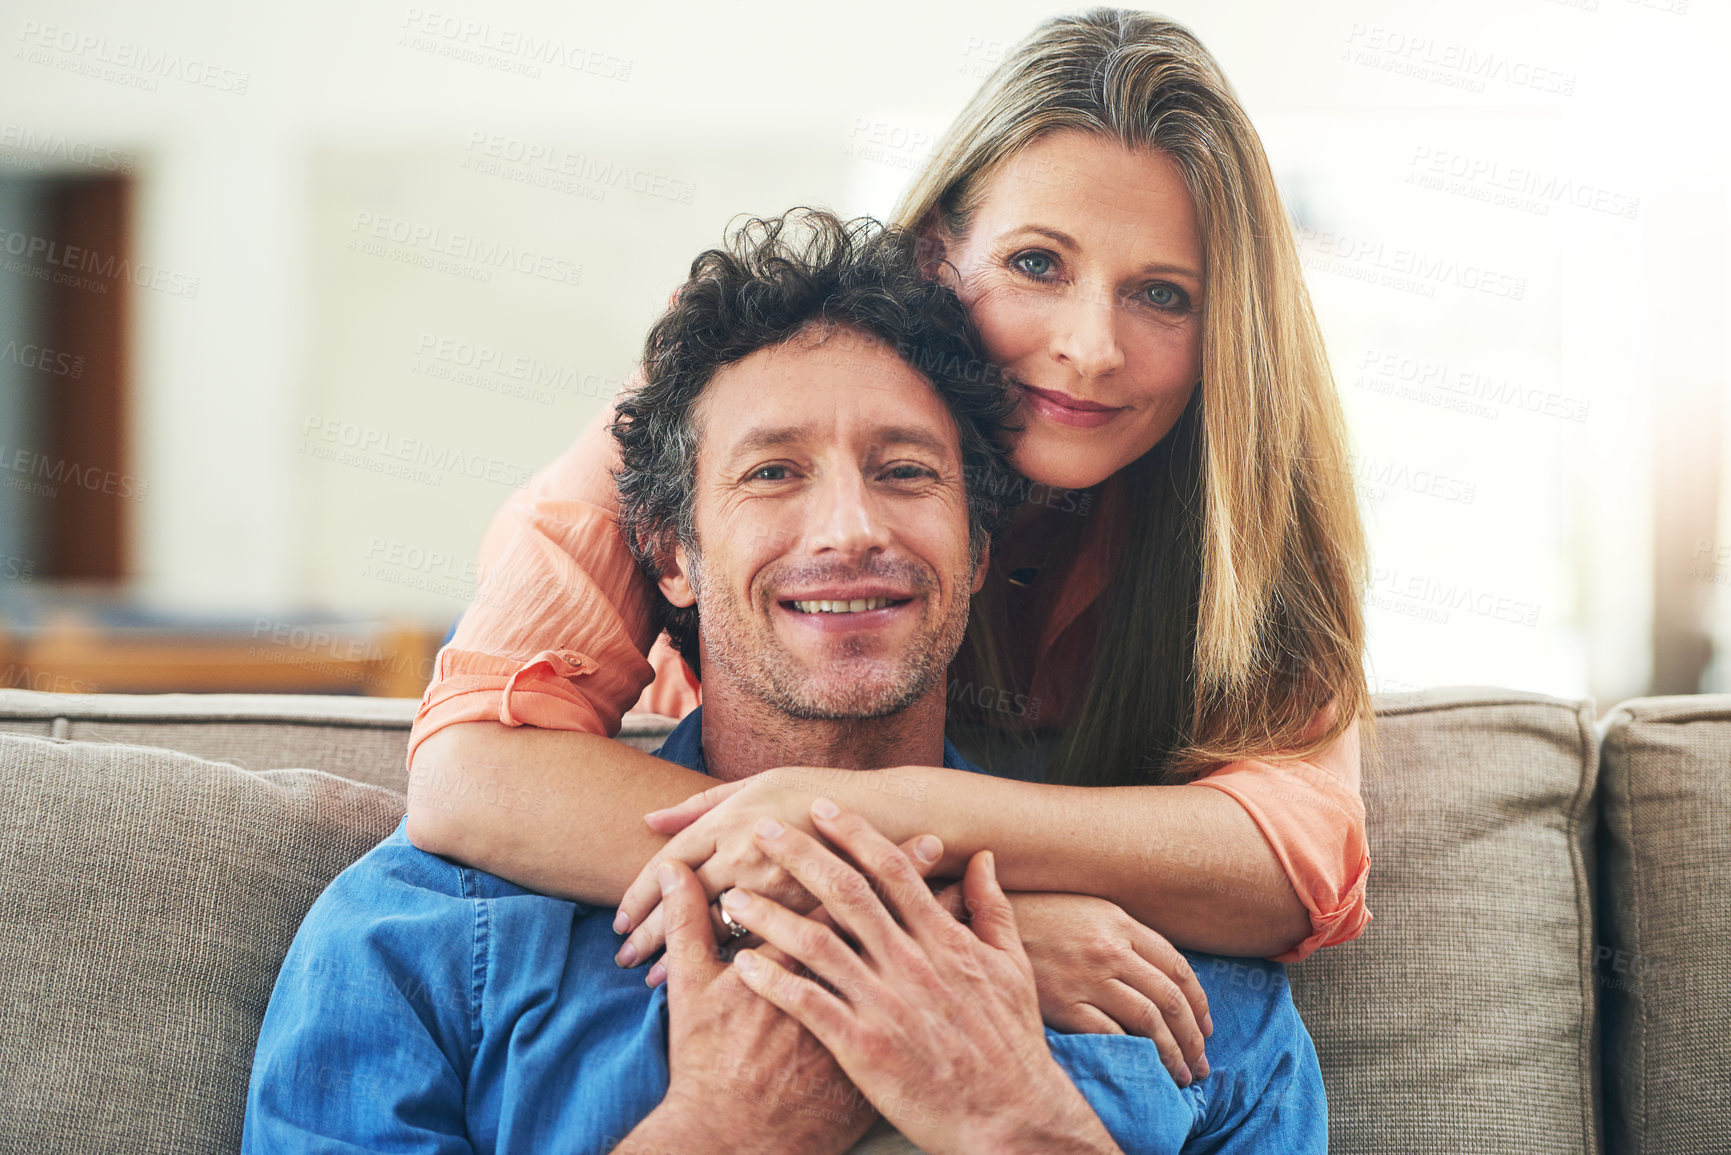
column 891, row 798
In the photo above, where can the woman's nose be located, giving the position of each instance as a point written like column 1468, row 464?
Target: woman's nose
column 1086, row 337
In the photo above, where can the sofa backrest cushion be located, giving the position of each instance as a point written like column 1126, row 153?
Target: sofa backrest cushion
column 1664, row 968
column 1462, row 1019
column 147, row 899
column 362, row 739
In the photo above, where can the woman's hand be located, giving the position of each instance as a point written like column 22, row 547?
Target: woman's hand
column 712, row 834
column 937, row 1022
column 1100, row 972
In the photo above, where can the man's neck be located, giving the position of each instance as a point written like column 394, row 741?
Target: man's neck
column 742, row 736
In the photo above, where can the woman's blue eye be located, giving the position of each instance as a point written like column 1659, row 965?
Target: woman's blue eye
column 1166, row 297
column 1034, row 264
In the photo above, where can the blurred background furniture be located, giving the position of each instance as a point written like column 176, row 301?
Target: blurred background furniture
column 73, row 640
column 1546, row 970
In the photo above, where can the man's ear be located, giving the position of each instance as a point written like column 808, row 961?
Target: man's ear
column 931, row 250
column 675, row 580
column 984, row 564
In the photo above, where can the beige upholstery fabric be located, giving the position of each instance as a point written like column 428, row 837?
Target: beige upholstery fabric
column 1665, row 963
column 146, row 901
column 1462, row 1020
column 363, row 739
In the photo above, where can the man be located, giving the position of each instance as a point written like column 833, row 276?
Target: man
column 810, row 474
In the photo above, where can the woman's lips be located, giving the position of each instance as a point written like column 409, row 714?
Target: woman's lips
column 1068, row 410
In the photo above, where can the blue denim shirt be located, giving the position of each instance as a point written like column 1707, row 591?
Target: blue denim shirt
column 428, row 1007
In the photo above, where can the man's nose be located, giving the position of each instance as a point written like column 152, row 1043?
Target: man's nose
column 844, row 517
column 1086, row 333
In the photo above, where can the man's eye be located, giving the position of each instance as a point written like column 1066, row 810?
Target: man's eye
column 1035, row 264
column 909, row 472
column 770, row 473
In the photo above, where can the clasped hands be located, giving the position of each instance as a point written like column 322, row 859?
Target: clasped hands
column 882, row 1002
column 1096, row 969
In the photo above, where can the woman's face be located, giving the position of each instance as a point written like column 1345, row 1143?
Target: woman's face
column 1082, row 267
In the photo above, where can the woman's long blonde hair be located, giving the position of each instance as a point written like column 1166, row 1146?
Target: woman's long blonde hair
column 1236, row 610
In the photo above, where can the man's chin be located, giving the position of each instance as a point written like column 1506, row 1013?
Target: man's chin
column 842, row 695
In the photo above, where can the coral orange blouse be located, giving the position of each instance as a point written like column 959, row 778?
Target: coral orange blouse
column 562, row 620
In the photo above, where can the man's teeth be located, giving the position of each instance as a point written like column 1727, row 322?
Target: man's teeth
column 857, row 605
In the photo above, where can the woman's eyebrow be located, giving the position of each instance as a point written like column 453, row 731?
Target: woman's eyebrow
column 1065, row 239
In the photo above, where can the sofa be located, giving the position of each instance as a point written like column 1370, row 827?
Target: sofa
column 1547, row 969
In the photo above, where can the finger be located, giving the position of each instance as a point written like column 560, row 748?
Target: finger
column 853, row 907
column 795, row 897
column 817, row 1010
column 649, row 938
column 1087, row 1020
column 950, row 898
column 1170, row 961
column 1136, row 1014
column 806, row 941
column 690, row 961
column 645, row 891
column 670, row 820
column 900, row 883
column 763, row 877
column 994, row 920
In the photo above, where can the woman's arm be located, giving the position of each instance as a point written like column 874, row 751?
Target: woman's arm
column 555, row 811
column 1215, row 870
column 1188, row 864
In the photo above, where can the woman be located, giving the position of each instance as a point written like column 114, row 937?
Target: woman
column 1177, row 604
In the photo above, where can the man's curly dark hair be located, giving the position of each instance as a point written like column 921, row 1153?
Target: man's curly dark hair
column 775, row 279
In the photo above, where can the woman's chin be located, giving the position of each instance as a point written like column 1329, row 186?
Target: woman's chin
column 1060, row 467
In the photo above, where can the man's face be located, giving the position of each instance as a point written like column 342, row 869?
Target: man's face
column 832, row 571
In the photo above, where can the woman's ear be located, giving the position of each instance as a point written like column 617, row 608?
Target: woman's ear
column 675, row 582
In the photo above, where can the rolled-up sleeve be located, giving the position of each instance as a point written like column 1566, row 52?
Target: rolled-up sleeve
column 1312, row 815
column 562, row 617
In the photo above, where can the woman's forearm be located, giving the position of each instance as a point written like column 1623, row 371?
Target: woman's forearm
column 556, row 811
column 1187, row 863
column 561, row 812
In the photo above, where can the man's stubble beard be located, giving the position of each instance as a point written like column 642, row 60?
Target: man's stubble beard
column 744, row 648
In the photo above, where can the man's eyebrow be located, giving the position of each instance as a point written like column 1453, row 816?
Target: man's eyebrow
column 770, row 437
column 1065, row 239
column 777, row 436
column 916, row 436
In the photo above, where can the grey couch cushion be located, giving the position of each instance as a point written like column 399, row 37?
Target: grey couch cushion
column 364, row 739
column 1462, row 1020
column 1665, row 963
column 146, row 901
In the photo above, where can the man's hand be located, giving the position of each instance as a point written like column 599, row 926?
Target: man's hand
column 936, row 1021
column 743, row 1076
column 712, row 835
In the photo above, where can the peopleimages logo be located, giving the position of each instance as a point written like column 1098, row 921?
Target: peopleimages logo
column 381, row 451
column 123, row 61
column 53, row 472
column 1397, row 266
column 26, row 147
column 44, row 258
column 461, row 253
column 42, row 359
